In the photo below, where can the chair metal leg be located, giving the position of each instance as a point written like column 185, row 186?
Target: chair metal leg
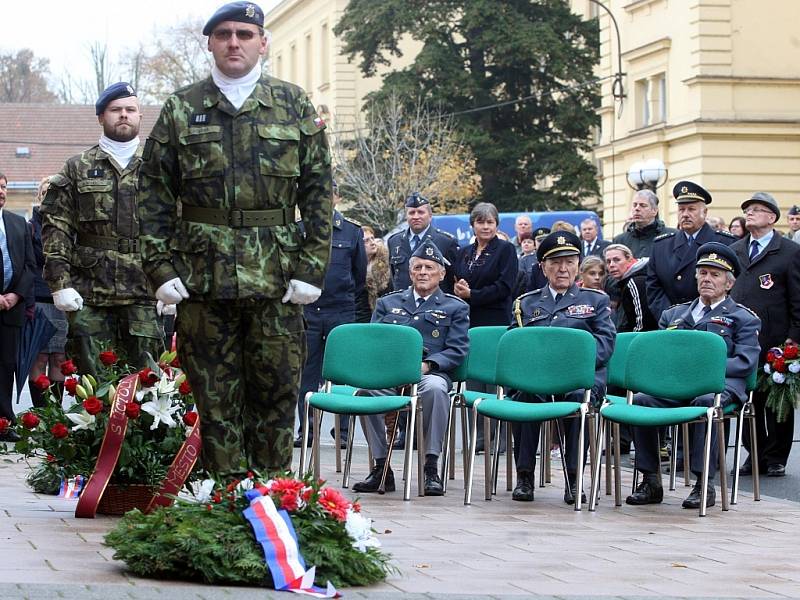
column 370, row 461
column 737, row 457
column 673, row 459
column 617, row 468
column 390, row 448
column 348, row 457
column 487, row 462
column 592, row 428
column 412, row 422
column 548, row 471
column 315, row 443
column 509, row 459
column 687, row 477
column 544, row 452
column 447, row 449
column 496, row 456
column 754, row 459
column 723, row 472
column 304, row 439
column 420, row 450
column 608, row 450
column 562, row 448
column 337, row 428
column 706, row 461
column 473, row 441
column 465, row 442
column 451, row 450
column 600, row 441
column 579, row 467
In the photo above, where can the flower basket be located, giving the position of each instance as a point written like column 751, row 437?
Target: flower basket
column 119, row 499
column 780, row 379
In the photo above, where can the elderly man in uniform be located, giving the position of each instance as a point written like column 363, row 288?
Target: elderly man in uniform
column 770, row 285
column 443, row 321
column 228, row 162
column 716, row 270
column 560, row 303
column 793, row 218
column 344, row 284
column 403, row 243
column 90, row 238
column 670, row 272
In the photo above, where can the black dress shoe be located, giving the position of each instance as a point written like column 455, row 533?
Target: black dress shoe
column 373, row 481
column 342, row 438
column 569, row 494
column 9, row 436
column 693, row 499
column 433, row 485
column 298, row 441
column 776, row 470
column 649, row 491
column 523, row 492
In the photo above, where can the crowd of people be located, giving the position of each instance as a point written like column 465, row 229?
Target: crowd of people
column 125, row 233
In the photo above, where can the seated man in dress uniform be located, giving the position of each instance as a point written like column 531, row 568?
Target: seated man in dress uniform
column 443, row 321
column 560, row 303
column 716, row 271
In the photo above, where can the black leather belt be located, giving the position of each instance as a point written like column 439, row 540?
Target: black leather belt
column 237, row 217
column 105, row 242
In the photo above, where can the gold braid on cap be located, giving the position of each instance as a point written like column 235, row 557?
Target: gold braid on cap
column 518, row 311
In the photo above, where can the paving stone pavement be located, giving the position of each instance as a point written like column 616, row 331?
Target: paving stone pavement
column 497, row 549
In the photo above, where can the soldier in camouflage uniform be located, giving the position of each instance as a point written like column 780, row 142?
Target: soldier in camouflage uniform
column 226, row 165
column 90, row 236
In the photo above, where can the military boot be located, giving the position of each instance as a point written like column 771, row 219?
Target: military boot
column 523, row 492
column 649, row 491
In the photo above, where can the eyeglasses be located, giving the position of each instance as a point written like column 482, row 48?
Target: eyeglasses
column 751, row 209
column 223, row 35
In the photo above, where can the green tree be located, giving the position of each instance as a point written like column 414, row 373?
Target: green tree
column 532, row 59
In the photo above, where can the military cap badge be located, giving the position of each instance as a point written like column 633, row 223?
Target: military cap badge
column 561, row 240
column 429, row 251
column 684, row 190
column 250, row 11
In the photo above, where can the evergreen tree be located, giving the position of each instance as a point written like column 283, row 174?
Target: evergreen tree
column 532, row 154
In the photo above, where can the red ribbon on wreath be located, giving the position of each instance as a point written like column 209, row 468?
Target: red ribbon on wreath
column 110, row 450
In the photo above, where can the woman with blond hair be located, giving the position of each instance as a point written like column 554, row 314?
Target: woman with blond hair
column 378, row 274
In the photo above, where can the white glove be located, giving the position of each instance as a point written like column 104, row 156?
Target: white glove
column 172, row 292
column 67, row 300
column 166, row 309
column 300, row 292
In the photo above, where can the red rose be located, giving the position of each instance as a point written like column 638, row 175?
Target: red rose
column 59, row 430
column 770, row 356
column 132, row 410
column 790, row 351
column 41, row 382
column 190, row 418
column 92, row 405
column 30, row 420
column 147, row 377
column 71, row 385
column 175, row 363
column 780, row 365
column 51, row 458
column 4, row 424
column 108, row 358
column 68, row 368
column 184, row 388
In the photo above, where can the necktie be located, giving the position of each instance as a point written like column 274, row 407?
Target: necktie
column 559, row 297
column 587, row 248
column 414, row 242
column 8, row 269
column 706, row 310
column 753, row 250
column 420, row 300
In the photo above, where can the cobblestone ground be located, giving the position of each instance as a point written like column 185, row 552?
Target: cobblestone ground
column 442, row 548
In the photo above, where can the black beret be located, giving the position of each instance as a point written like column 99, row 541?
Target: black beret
column 416, row 200
column 688, row 191
column 715, row 254
column 765, row 199
column 429, row 251
column 540, row 231
column 240, row 12
column 559, row 243
column 122, row 89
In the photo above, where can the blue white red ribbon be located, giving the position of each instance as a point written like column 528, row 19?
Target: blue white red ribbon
column 71, row 488
column 274, row 531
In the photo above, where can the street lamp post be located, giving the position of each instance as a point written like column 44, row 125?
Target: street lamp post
column 647, row 175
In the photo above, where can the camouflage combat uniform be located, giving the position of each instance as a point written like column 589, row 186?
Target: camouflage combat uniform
column 219, row 189
column 90, row 236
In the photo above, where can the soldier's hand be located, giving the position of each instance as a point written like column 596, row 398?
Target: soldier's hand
column 68, row 300
column 172, row 292
column 166, row 309
column 300, row 292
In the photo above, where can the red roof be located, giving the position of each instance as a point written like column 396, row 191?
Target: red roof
column 52, row 133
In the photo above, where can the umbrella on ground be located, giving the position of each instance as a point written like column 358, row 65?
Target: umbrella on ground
column 35, row 335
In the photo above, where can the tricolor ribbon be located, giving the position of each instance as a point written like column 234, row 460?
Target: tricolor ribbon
column 71, row 488
column 274, row 531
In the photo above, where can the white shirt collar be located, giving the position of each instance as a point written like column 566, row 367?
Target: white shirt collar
column 697, row 313
column 764, row 240
column 421, row 234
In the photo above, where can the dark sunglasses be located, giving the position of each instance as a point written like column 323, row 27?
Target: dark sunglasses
column 223, row 35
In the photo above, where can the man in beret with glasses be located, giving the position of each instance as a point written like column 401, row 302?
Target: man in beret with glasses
column 229, row 161
column 90, row 238
column 770, row 286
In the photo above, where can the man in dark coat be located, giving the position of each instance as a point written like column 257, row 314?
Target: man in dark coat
column 770, row 286
column 644, row 224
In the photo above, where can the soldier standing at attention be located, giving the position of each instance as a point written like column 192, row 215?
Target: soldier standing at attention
column 90, row 237
column 226, row 165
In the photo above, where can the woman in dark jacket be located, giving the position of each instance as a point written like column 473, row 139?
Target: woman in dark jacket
column 486, row 270
column 486, row 274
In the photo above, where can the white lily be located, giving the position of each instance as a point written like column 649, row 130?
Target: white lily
column 162, row 410
column 82, row 420
column 203, row 492
column 359, row 528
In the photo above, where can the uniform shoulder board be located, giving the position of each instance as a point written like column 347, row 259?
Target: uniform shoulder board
column 454, row 297
column 664, row 236
column 750, row 310
column 447, row 233
column 680, row 304
column 353, row 221
column 396, row 235
column 596, row 291
column 531, row 293
column 727, row 234
column 393, row 293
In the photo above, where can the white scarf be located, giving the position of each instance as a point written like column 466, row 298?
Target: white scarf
column 236, row 89
column 122, row 152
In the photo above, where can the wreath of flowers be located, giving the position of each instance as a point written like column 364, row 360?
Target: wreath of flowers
column 781, row 379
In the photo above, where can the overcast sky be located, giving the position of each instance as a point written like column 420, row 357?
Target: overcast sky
column 63, row 31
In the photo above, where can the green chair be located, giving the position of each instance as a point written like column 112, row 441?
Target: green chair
column 357, row 355
column 747, row 411
column 479, row 365
column 346, row 390
column 679, row 365
column 547, row 361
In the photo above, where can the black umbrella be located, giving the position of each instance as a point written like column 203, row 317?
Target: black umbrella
column 35, row 336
